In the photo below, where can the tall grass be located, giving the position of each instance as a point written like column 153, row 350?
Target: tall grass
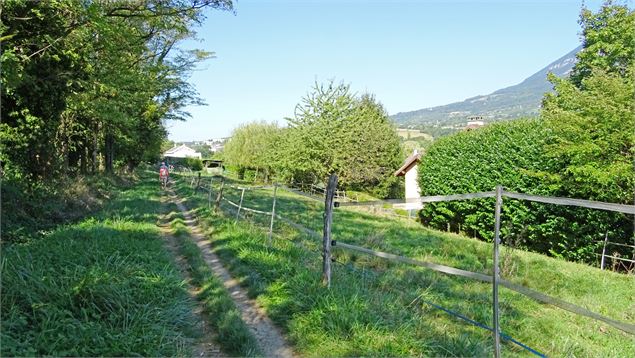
column 103, row 286
column 30, row 207
column 379, row 308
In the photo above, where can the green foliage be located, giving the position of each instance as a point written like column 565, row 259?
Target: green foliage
column 252, row 146
column 593, row 141
column 473, row 161
column 205, row 151
column 582, row 147
column 334, row 131
column 194, row 163
column 608, row 43
column 84, row 80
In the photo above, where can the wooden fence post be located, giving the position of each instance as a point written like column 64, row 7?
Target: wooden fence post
column 273, row 212
column 240, row 205
column 496, row 273
column 328, row 221
column 209, row 193
column 198, row 182
column 220, row 194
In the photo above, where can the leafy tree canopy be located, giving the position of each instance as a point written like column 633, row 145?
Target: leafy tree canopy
column 90, row 84
column 335, row 131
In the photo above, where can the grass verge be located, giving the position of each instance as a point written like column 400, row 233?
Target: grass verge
column 379, row 308
column 105, row 286
column 233, row 335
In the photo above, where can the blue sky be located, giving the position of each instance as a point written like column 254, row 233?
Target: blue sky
column 410, row 54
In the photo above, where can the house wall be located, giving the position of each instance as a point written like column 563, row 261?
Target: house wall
column 412, row 184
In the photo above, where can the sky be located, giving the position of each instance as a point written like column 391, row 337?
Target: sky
column 409, row 54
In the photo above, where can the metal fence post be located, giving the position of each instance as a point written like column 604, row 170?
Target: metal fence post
column 240, row 205
column 220, row 194
column 328, row 221
column 606, row 237
column 273, row 212
column 496, row 273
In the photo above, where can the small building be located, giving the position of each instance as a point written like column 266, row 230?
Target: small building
column 182, row 151
column 409, row 171
column 474, row 122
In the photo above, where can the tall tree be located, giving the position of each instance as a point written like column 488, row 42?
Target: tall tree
column 334, row 131
column 608, row 42
column 592, row 114
column 252, row 146
column 88, row 80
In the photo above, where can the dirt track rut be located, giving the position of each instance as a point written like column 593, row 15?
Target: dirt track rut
column 271, row 342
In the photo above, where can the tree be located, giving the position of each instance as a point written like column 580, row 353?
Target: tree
column 592, row 114
column 334, row 131
column 88, row 80
column 608, row 38
column 252, row 146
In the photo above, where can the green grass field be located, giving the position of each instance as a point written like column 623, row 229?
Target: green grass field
column 379, row 308
column 105, row 286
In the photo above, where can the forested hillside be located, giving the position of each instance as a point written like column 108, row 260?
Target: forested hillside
column 517, row 101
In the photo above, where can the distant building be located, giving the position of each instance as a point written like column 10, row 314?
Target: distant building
column 216, row 144
column 409, row 171
column 474, row 122
column 182, row 151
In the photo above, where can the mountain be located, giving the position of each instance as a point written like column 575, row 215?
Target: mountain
column 516, row 101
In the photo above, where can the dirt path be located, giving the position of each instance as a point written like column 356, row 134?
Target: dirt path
column 270, row 340
column 205, row 345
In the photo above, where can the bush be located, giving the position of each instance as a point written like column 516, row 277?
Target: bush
column 511, row 154
column 194, row 163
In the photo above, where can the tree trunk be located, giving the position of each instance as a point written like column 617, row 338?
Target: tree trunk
column 109, row 142
column 93, row 166
column 84, row 158
column 65, row 157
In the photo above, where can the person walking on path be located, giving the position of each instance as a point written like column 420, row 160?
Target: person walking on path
column 164, row 174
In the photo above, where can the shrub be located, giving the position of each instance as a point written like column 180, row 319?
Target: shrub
column 194, row 163
column 511, row 154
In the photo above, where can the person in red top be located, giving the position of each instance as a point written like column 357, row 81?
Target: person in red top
column 164, row 174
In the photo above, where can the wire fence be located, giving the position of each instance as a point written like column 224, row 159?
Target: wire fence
column 495, row 279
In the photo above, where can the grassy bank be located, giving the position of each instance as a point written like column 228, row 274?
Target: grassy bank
column 380, row 308
column 233, row 335
column 30, row 207
column 103, row 286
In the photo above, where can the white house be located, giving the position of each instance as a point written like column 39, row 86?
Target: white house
column 182, row 151
column 413, row 192
column 474, row 122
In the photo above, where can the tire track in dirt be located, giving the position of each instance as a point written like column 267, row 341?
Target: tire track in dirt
column 206, row 345
column 271, row 342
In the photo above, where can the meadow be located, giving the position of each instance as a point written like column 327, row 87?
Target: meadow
column 106, row 285
column 375, row 307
